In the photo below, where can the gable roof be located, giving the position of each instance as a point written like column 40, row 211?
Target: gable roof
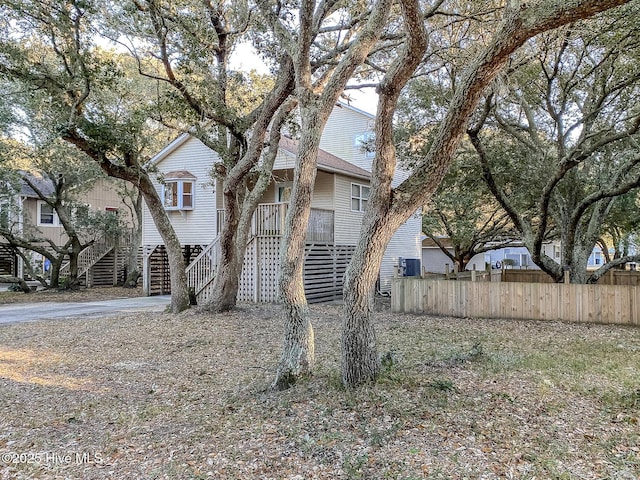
column 326, row 161
column 355, row 109
column 170, row 148
column 43, row 184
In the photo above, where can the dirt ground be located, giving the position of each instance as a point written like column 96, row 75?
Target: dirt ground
column 79, row 295
column 186, row 396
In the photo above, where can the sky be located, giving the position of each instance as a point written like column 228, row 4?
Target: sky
column 245, row 58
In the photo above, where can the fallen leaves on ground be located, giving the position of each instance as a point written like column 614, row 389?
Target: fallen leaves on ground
column 186, row 396
column 80, row 294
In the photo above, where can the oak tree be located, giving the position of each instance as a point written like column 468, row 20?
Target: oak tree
column 562, row 136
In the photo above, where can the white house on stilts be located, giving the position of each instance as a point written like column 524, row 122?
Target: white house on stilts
column 338, row 203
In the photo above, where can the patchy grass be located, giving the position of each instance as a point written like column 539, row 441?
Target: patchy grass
column 183, row 396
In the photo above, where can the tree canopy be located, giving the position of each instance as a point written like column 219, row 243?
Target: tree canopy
column 559, row 144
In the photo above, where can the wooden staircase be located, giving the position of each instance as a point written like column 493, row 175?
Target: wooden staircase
column 258, row 281
column 88, row 257
column 91, row 256
column 202, row 271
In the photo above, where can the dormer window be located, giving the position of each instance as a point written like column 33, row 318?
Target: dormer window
column 178, row 191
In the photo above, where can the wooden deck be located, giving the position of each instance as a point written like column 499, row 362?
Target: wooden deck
column 268, row 220
column 325, row 262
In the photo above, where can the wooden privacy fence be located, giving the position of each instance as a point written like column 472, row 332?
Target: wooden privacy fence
column 537, row 301
column 612, row 277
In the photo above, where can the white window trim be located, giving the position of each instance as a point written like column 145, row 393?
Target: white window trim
column 56, row 220
column 360, row 198
column 180, row 184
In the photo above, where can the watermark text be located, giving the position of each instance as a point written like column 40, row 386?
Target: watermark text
column 51, row 458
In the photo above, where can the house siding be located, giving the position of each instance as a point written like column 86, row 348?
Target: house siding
column 54, row 233
column 322, row 196
column 338, row 138
column 332, row 191
column 405, row 243
column 347, row 223
column 197, row 226
column 30, row 212
column 339, row 135
column 284, row 161
column 434, row 260
column 323, row 192
column 345, row 123
column 103, row 194
column 219, row 194
column 279, row 176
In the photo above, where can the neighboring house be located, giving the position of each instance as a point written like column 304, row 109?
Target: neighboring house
column 101, row 263
column 435, row 261
column 339, row 199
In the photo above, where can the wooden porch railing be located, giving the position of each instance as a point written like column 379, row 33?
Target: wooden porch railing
column 88, row 257
column 98, row 249
column 200, row 272
column 320, row 228
column 268, row 221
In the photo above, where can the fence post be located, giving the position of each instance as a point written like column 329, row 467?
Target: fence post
column 147, row 251
column 397, row 295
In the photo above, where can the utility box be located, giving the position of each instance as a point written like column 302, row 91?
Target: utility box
column 412, row 267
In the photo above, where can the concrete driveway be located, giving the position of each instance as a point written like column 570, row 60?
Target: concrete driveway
column 27, row 312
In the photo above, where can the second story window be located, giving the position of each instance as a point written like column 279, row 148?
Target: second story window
column 47, row 216
column 178, row 191
column 359, row 197
column 366, row 143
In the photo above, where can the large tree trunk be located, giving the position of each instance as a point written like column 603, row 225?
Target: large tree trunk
column 298, row 350
column 235, row 237
column 227, row 277
column 386, row 212
column 54, row 272
column 133, row 173
column 133, row 274
column 360, row 362
column 179, row 291
column 74, row 252
column 237, row 230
